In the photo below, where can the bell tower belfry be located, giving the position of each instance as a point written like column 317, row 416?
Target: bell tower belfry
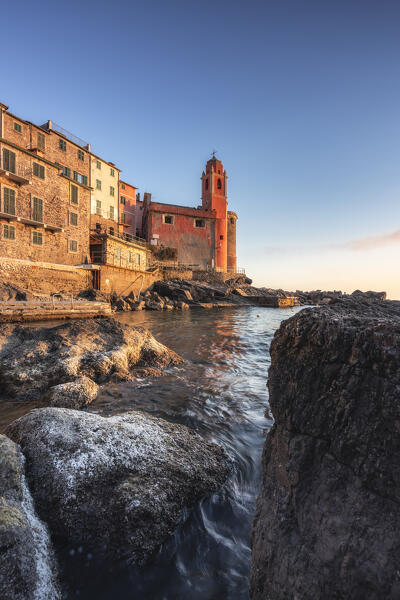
column 213, row 197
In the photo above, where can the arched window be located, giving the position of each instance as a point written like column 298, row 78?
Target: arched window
column 219, row 184
column 206, row 184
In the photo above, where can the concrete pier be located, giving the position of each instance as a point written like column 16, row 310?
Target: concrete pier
column 48, row 310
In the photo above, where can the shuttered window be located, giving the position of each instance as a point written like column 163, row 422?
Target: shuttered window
column 73, row 246
column 98, row 207
column 81, row 155
column 38, row 210
column 17, row 127
column 66, row 171
column 62, row 144
column 8, row 160
column 111, row 190
column 9, row 201
column 111, row 212
column 38, row 170
column 74, row 194
column 123, row 200
column 8, row 232
column 73, row 219
column 41, row 141
column 37, row 238
column 123, row 218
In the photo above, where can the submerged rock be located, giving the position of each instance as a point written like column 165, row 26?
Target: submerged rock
column 115, row 485
column 75, row 394
column 27, row 565
column 327, row 519
column 32, row 360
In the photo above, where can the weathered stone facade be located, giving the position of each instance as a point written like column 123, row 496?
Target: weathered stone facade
column 45, row 203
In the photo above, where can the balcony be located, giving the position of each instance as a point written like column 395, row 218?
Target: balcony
column 18, row 173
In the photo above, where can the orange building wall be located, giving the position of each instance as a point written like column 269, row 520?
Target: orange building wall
column 128, row 192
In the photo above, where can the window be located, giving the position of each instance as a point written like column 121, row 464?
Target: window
column 62, row 144
column 130, row 257
column 98, row 164
column 8, row 160
column 73, row 246
column 98, row 227
column 81, row 155
column 111, row 212
column 122, row 186
column 168, row 220
column 9, row 201
column 232, row 221
column 98, row 184
column 8, row 232
column 37, row 210
column 118, row 253
column 206, row 184
column 38, row 170
column 18, row 127
column 37, row 238
column 73, row 219
column 111, row 230
column 98, row 207
column 74, row 194
column 111, row 190
column 123, row 218
column 112, row 172
column 66, row 171
column 219, row 184
column 80, row 178
column 123, row 200
column 199, row 223
column 137, row 259
column 41, row 143
column 221, row 237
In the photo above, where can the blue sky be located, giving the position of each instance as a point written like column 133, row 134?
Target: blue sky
column 300, row 98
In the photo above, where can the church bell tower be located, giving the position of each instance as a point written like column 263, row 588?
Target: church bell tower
column 213, row 197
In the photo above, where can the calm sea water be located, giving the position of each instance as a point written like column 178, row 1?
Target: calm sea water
column 221, row 393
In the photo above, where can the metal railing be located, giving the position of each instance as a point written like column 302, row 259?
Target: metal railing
column 70, row 136
column 126, row 237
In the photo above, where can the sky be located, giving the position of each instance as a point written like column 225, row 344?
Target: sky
column 300, row 98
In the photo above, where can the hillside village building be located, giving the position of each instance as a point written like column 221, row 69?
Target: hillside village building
column 61, row 204
column 44, row 193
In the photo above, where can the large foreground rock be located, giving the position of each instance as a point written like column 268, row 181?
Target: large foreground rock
column 115, row 485
column 27, row 566
column 327, row 519
column 32, row 360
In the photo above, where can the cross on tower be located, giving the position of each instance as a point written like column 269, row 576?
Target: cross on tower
column 213, row 153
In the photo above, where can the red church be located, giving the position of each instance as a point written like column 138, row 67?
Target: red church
column 204, row 237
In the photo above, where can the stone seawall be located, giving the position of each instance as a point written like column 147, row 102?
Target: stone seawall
column 44, row 278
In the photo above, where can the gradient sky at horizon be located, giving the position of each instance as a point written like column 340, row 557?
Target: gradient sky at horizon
column 300, row 98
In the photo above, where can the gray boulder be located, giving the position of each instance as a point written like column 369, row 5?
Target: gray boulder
column 327, row 518
column 74, row 394
column 116, row 485
column 27, row 567
column 32, row 360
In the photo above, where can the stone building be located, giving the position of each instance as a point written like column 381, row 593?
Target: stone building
column 44, row 193
column 204, row 237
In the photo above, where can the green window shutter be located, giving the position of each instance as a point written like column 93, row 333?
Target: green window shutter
column 75, row 176
column 17, row 127
column 84, row 179
column 9, row 201
column 38, row 210
column 111, row 212
column 37, row 238
column 73, row 219
column 40, row 141
column 8, row 160
column 74, row 194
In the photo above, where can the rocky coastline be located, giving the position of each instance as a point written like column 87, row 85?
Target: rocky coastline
column 327, row 518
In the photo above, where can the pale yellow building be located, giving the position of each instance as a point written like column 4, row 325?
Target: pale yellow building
column 104, row 181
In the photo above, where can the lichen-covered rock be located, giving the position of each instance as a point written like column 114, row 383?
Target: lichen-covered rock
column 115, row 485
column 74, row 394
column 327, row 519
column 27, row 566
column 32, row 360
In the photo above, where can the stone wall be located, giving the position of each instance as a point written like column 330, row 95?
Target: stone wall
column 118, row 280
column 44, row 278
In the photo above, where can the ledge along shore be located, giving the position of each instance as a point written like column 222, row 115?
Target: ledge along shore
column 21, row 305
column 327, row 519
